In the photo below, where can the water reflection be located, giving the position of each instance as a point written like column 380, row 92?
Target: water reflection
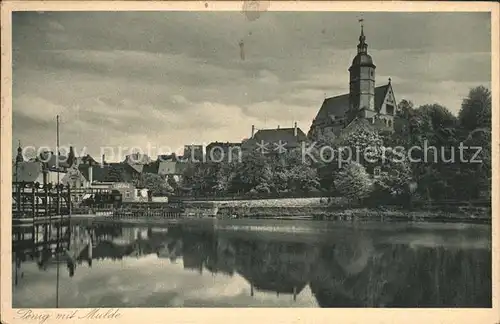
column 348, row 268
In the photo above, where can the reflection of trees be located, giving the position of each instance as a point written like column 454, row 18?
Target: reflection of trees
column 283, row 267
column 400, row 276
column 221, row 258
column 348, row 271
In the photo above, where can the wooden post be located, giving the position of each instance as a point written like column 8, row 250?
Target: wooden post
column 69, row 216
column 46, row 226
column 33, row 212
column 58, row 191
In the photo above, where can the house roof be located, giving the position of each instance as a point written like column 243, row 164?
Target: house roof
column 137, row 158
column 51, row 160
column 136, row 166
column 99, row 174
column 72, row 175
column 26, row 171
column 222, row 145
column 87, row 159
column 151, row 167
column 338, row 106
column 113, row 172
column 280, row 134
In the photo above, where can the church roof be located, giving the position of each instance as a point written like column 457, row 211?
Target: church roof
column 380, row 93
column 336, row 106
column 363, row 59
column 339, row 105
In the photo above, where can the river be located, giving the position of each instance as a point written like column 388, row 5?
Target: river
column 342, row 265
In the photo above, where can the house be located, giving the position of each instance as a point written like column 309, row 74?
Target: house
column 128, row 191
column 112, row 172
column 170, row 167
column 278, row 140
column 364, row 100
column 75, row 179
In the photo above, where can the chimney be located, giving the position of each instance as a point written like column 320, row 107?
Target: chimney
column 103, row 160
column 278, row 126
column 91, row 176
column 295, row 130
column 253, row 131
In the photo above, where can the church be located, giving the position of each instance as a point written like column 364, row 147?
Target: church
column 377, row 105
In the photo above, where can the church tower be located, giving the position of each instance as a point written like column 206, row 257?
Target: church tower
column 362, row 82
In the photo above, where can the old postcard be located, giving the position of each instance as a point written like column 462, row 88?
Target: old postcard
column 243, row 155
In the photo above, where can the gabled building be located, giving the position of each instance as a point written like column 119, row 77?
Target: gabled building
column 278, row 140
column 364, row 100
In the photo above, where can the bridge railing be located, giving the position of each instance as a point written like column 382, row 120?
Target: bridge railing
column 34, row 200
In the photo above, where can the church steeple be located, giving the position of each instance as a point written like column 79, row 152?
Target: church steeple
column 362, row 46
column 19, row 157
column 362, row 80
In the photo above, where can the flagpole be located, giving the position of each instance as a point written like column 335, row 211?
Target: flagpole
column 58, row 211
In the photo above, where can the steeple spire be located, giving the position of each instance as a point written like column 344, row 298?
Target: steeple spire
column 19, row 157
column 362, row 46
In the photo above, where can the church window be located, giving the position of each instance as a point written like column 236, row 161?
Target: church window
column 390, row 123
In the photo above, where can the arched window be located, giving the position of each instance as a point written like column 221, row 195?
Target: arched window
column 390, row 123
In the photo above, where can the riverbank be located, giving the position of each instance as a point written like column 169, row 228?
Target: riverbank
column 339, row 209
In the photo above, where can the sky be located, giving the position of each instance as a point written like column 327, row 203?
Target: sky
column 155, row 81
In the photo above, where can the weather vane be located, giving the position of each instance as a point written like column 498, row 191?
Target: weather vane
column 361, row 20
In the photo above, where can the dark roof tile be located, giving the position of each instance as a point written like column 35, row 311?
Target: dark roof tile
column 283, row 134
column 339, row 105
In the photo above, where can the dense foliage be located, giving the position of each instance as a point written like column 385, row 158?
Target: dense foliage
column 155, row 183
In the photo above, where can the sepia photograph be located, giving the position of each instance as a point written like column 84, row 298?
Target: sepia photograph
column 255, row 157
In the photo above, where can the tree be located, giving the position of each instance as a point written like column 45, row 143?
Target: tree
column 353, row 182
column 476, row 109
column 361, row 143
column 393, row 177
column 155, row 183
column 303, row 178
